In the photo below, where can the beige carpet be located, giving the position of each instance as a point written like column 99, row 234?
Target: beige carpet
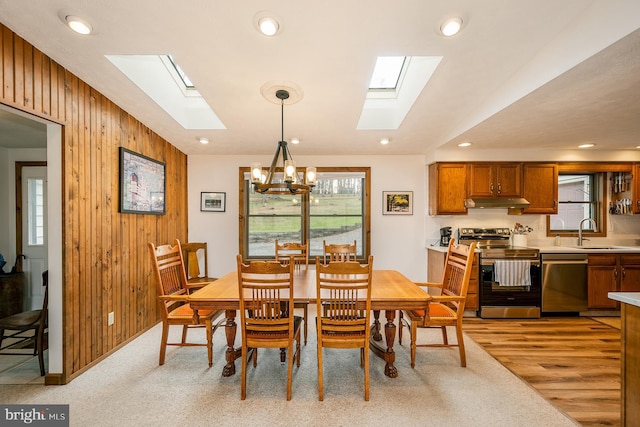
column 130, row 389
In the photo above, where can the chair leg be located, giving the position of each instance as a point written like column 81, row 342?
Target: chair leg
column 243, row 375
column 184, row 334
column 320, row 390
column 289, row 370
column 163, row 342
column 445, row 339
column 298, row 349
column 209, row 328
column 463, row 357
column 1, row 336
column 40, row 349
column 366, row 372
column 400, row 319
column 414, row 336
column 283, row 355
column 306, row 312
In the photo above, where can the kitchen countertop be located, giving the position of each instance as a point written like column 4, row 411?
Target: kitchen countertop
column 632, row 298
column 612, row 249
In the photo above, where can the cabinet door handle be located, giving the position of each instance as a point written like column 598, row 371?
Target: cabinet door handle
column 491, row 188
column 624, row 273
column 615, row 273
column 499, row 188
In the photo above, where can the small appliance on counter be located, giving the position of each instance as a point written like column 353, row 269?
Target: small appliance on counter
column 445, row 236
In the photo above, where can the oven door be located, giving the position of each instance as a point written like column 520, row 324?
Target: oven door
column 515, row 299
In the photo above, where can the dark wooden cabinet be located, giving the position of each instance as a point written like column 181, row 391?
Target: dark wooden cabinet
column 495, row 179
column 611, row 273
column 635, row 179
column 11, row 294
column 447, row 188
column 540, row 188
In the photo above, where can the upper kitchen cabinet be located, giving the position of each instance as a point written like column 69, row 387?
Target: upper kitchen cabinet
column 635, row 179
column 540, row 188
column 447, row 188
column 495, row 179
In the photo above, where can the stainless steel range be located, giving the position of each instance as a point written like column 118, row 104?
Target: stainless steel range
column 510, row 276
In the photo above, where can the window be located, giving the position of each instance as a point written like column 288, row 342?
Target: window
column 35, row 216
column 579, row 196
column 337, row 210
column 386, row 74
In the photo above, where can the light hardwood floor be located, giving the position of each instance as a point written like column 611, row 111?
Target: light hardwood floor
column 573, row 362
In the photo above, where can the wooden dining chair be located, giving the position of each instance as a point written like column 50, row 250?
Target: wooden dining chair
column 339, row 252
column 343, row 292
column 266, row 295
column 300, row 253
column 446, row 309
column 29, row 326
column 192, row 253
column 173, row 290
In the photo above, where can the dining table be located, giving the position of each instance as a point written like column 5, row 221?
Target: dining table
column 390, row 291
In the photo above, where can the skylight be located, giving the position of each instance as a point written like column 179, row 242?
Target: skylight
column 169, row 87
column 386, row 74
column 387, row 108
column 181, row 73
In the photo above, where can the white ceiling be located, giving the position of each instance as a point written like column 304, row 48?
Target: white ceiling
column 545, row 73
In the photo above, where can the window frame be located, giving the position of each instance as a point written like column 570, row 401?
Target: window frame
column 591, row 168
column 306, row 217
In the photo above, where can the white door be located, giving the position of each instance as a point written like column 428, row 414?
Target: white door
column 34, row 233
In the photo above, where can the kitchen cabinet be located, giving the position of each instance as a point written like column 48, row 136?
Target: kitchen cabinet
column 635, row 180
column 611, row 273
column 447, row 188
column 495, row 179
column 540, row 188
column 435, row 271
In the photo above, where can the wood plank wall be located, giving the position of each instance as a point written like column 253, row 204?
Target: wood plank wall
column 105, row 257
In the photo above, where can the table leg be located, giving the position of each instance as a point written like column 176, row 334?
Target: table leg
column 375, row 332
column 232, row 353
column 388, row 355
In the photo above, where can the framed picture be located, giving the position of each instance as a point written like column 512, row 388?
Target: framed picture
column 142, row 184
column 213, row 202
column 397, row 202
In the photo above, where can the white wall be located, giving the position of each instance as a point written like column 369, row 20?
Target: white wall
column 397, row 241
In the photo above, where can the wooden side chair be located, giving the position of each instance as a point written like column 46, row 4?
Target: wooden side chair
column 173, row 291
column 339, row 252
column 344, row 307
column 29, row 326
column 300, row 254
column 192, row 252
column 266, row 295
column 446, row 309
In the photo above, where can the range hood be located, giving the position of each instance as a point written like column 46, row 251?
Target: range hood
column 496, row 202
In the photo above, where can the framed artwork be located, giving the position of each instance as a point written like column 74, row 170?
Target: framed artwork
column 213, row 202
column 142, row 184
column 397, row 202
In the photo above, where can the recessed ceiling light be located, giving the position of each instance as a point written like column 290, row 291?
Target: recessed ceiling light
column 464, row 144
column 384, row 141
column 451, row 26
column 295, row 141
column 637, row 146
column 589, row 145
column 203, row 140
column 78, row 25
column 268, row 26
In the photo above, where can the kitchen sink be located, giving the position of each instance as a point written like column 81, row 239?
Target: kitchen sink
column 599, row 248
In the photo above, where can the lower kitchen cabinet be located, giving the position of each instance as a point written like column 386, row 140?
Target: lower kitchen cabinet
column 435, row 270
column 611, row 273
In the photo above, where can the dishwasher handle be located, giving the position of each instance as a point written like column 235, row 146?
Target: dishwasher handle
column 565, row 262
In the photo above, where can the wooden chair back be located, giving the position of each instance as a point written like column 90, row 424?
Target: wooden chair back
column 266, row 312
column 344, row 306
column 339, row 252
column 457, row 272
column 299, row 251
column 171, row 279
column 192, row 253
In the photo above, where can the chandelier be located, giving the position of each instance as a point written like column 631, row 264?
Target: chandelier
column 292, row 183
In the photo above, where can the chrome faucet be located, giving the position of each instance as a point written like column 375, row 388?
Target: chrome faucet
column 580, row 229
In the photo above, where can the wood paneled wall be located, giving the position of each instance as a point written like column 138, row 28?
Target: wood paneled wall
column 105, row 256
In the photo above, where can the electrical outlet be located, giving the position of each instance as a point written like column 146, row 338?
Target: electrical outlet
column 110, row 319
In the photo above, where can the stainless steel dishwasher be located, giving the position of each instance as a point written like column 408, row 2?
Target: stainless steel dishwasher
column 564, row 282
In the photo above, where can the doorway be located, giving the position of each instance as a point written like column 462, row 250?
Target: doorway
column 31, row 229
